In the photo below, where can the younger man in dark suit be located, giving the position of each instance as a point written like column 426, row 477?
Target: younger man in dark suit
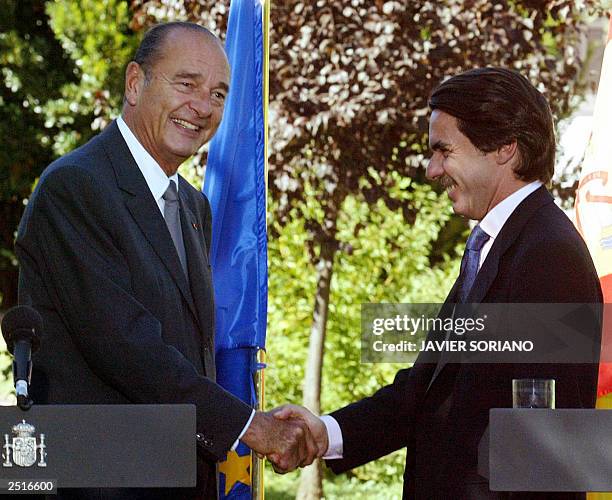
column 492, row 138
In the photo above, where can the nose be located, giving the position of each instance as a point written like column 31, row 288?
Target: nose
column 434, row 168
column 201, row 105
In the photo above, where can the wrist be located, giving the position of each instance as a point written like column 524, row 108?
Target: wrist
column 333, row 438
column 253, row 432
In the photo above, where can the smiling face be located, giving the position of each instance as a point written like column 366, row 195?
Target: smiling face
column 475, row 181
column 177, row 106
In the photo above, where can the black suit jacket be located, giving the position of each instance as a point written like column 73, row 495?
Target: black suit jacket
column 122, row 322
column 440, row 415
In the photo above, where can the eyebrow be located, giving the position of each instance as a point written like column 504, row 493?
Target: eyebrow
column 224, row 86
column 440, row 146
column 197, row 76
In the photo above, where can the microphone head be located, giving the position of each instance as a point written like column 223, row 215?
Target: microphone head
column 21, row 323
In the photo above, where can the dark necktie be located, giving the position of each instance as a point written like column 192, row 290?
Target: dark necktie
column 173, row 221
column 470, row 261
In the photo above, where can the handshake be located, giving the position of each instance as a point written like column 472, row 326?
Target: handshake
column 289, row 436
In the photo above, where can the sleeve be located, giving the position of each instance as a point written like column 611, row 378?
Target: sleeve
column 68, row 232
column 334, row 438
column 382, row 423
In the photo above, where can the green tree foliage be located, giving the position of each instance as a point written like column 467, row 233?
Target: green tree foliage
column 62, row 74
column 98, row 40
column 383, row 260
column 33, row 69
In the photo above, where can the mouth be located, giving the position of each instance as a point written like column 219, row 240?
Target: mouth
column 448, row 184
column 184, row 124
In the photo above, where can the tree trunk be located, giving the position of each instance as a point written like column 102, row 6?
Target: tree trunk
column 311, row 479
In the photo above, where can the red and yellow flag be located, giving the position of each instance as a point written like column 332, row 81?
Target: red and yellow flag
column 594, row 211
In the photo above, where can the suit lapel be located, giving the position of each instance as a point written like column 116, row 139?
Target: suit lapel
column 197, row 261
column 487, row 274
column 144, row 208
column 449, row 311
column 199, row 277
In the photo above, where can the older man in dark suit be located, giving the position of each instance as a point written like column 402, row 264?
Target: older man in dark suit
column 492, row 138
column 113, row 253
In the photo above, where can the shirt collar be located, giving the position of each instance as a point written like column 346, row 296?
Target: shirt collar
column 156, row 178
column 495, row 219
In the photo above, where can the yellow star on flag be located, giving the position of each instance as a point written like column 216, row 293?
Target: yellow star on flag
column 236, row 469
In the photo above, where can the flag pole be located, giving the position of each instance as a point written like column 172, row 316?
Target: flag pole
column 257, row 479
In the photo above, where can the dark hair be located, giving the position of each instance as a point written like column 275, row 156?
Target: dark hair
column 149, row 50
column 494, row 107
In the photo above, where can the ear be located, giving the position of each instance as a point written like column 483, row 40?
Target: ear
column 134, row 81
column 507, row 153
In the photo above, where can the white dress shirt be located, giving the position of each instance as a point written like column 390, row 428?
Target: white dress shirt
column 492, row 224
column 495, row 219
column 158, row 182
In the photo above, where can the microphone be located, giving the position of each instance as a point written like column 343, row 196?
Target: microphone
column 21, row 327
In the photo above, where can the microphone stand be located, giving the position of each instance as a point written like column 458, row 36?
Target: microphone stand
column 24, row 401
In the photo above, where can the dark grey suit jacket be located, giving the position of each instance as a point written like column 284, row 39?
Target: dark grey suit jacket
column 122, row 322
column 440, row 415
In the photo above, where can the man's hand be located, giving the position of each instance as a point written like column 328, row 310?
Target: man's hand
column 315, row 424
column 288, row 443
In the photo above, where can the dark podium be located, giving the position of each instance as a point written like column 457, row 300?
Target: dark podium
column 564, row 450
column 99, row 446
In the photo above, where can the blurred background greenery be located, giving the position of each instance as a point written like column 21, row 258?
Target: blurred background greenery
column 351, row 216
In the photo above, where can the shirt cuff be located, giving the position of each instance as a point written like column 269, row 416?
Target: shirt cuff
column 334, row 437
column 244, row 429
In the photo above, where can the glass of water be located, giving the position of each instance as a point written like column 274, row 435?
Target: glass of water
column 533, row 393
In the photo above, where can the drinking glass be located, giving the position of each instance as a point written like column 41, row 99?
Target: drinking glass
column 533, row 393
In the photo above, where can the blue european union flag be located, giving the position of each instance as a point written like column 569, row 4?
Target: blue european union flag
column 235, row 185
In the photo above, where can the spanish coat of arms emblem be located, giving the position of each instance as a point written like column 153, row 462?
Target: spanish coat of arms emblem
column 24, row 447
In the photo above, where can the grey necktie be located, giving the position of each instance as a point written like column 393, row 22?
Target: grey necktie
column 173, row 221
